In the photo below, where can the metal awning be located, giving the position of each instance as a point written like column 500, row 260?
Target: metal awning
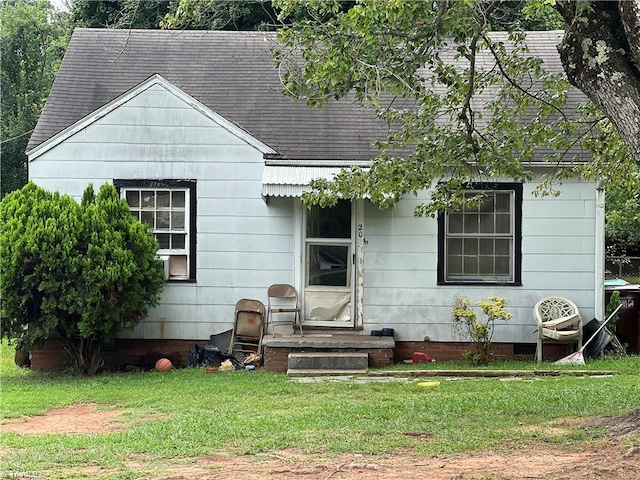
column 292, row 180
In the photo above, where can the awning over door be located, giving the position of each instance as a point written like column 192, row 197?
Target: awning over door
column 291, row 180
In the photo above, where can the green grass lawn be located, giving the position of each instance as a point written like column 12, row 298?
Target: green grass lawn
column 187, row 414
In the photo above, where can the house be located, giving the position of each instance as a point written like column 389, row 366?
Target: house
column 191, row 126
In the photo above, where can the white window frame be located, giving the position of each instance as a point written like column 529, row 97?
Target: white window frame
column 178, row 260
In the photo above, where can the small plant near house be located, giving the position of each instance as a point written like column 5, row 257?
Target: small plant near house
column 468, row 327
column 614, row 301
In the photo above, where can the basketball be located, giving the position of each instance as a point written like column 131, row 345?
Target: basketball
column 163, row 365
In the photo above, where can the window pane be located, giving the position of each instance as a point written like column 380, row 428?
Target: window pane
column 471, row 223
column 178, row 241
column 503, row 202
column 328, row 265
column 470, row 246
column 486, row 266
column 470, row 266
column 455, row 222
column 503, row 223
column 163, row 240
column 162, row 220
column 486, row 223
column 178, row 199
column 488, row 203
column 486, row 246
column 147, row 217
column 162, row 199
column 454, row 265
column 334, row 222
column 454, row 246
column 177, row 220
column 148, row 199
column 136, row 215
column 503, row 246
column 503, row 266
column 133, row 198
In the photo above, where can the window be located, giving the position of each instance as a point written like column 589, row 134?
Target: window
column 481, row 243
column 168, row 208
column 328, row 242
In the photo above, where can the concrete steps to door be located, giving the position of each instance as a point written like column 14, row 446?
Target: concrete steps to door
column 320, row 363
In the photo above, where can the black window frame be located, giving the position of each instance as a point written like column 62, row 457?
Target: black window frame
column 190, row 185
column 517, row 190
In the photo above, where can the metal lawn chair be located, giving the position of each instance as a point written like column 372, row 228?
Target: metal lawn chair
column 283, row 307
column 248, row 328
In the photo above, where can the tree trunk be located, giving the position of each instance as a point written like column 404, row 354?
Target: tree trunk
column 600, row 54
column 85, row 355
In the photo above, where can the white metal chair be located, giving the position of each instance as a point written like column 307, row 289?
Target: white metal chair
column 559, row 321
column 248, row 328
column 283, row 307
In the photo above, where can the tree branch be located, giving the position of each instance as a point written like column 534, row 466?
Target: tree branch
column 516, row 85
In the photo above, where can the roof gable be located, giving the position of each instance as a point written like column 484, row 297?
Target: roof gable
column 231, row 73
column 137, row 91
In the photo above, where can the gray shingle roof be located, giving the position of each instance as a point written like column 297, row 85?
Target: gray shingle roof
column 233, row 73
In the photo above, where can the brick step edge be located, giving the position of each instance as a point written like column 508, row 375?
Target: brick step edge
column 314, row 372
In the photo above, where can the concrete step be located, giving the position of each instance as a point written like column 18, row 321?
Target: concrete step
column 318, row 373
column 327, row 362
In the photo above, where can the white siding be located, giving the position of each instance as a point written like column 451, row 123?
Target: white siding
column 400, row 284
column 243, row 245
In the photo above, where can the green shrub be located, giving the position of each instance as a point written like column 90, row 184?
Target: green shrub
column 76, row 272
column 468, row 327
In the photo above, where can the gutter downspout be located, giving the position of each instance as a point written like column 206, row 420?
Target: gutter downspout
column 599, row 307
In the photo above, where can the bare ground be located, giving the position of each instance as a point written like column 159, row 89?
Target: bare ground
column 609, row 459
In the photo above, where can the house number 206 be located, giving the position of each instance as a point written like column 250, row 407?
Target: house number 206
column 361, row 233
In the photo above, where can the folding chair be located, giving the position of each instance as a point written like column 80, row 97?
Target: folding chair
column 248, row 328
column 283, row 303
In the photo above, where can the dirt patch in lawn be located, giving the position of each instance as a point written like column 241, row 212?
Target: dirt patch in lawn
column 605, row 462
column 610, row 459
column 79, row 418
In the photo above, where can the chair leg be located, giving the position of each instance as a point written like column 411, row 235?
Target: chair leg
column 230, row 349
column 539, row 351
column 273, row 327
column 300, row 323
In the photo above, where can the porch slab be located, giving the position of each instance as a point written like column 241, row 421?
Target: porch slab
column 379, row 350
column 328, row 341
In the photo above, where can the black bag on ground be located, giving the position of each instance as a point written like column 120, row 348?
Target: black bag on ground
column 210, row 356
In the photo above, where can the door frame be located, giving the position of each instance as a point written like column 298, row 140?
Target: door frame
column 357, row 265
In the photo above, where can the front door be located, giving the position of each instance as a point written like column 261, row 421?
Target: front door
column 329, row 252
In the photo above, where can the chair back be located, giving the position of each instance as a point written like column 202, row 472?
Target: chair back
column 552, row 308
column 282, row 290
column 249, row 318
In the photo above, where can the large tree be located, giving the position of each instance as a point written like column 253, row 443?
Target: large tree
column 600, row 53
column 78, row 273
column 119, row 13
column 430, row 68
column 32, row 43
column 220, row 15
